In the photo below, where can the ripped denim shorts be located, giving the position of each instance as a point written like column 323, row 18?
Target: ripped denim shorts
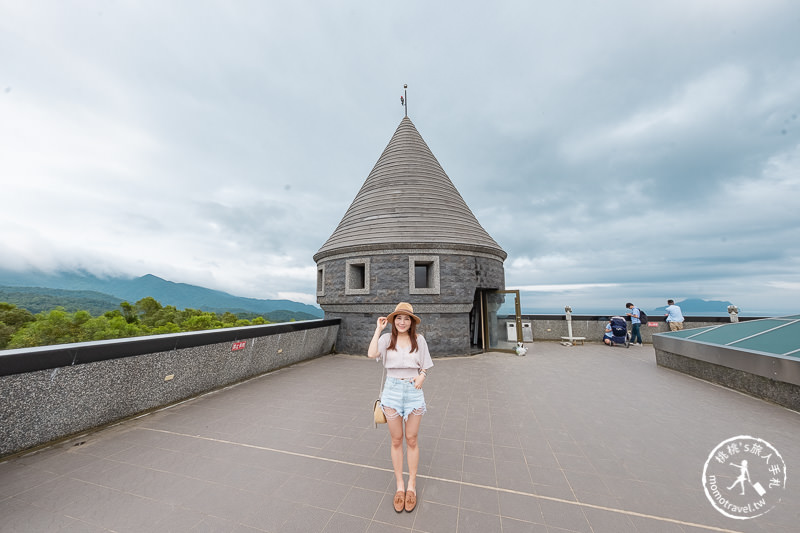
column 403, row 397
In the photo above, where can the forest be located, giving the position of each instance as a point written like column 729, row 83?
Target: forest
column 19, row 328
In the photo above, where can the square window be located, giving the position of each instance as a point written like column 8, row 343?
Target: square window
column 320, row 281
column 357, row 276
column 423, row 273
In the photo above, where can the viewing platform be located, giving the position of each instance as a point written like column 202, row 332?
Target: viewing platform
column 590, row 439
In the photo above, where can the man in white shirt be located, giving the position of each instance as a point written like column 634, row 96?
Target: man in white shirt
column 674, row 316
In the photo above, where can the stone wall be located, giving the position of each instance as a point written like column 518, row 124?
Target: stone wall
column 444, row 314
column 52, row 392
column 357, row 330
column 769, row 376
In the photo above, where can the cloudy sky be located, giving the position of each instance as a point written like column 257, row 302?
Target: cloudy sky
column 618, row 150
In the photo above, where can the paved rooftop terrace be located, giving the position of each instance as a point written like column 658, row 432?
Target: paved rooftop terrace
column 566, row 439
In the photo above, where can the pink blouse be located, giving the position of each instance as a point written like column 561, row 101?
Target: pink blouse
column 401, row 362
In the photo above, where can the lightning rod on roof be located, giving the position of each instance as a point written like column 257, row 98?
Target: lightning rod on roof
column 404, row 100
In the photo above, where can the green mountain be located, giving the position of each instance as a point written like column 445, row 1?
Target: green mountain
column 180, row 295
column 38, row 299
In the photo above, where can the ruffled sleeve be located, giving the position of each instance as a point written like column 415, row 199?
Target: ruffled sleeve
column 383, row 344
column 424, row 354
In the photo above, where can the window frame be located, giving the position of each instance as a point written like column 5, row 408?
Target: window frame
column 320, row 280
column 350, row 264
column 432, row 261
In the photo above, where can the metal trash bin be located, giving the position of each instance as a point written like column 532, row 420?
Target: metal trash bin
column 511, row 332
column 527, row 332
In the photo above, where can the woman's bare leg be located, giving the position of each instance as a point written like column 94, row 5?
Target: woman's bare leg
column 396, row 432
column 412, row 430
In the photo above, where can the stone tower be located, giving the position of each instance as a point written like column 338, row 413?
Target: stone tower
column 408, row 236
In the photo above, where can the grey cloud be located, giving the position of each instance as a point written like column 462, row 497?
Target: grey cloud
column 179, row 131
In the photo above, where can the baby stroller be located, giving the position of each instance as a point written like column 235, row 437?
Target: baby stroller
column 619, row 331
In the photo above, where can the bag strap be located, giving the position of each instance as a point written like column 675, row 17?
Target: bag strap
column 383, row 380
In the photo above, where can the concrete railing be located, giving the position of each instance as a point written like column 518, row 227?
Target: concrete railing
column 592, row 327
column 52, row 392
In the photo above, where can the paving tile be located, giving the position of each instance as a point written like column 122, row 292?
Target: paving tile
column 476, row 522
column 377, row 480
column 441, row 492
column 272, row 514
column 60, row 462
column 541, row 458
column 343, row 523
column 513, row 476
column 314, row 492
column 58, row 494
column 361, row 502
column 565, row 516
column 650, row 525
column 479, row 465
column 583, row 482
column 21, row 517
column 480, row 499
column 18, row 478
column 574, row 463
column 478, row 434
column 435, row 518
column 118, row 511
column 585, row 438
column 559, row 492
column 211, row 524
column 450, row 446
column 379, row 527
column 509, row 454
column 511, row 525
column 307, row 519
column 224, row 502
column 520, row 507
column 478, row 449
column 438, row 471
column 609, row 521
column 487, row 479
column 448, row 460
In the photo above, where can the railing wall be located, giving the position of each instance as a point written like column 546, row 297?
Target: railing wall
column 52, row 392
column 592, row 327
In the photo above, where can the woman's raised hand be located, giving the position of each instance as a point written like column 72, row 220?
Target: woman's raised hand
column 381, row 323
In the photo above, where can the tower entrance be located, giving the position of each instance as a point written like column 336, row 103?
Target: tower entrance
column 495, row 320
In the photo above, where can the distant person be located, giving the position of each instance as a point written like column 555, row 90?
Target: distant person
column 636, row 323
column 608, row 334
column 674, row 316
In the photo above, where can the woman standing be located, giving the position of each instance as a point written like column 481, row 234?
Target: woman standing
column 406, row 358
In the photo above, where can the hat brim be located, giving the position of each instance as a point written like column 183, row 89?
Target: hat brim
column 390, row 318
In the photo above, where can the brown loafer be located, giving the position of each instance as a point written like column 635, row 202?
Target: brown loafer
column 399, row 500
column 411, row 500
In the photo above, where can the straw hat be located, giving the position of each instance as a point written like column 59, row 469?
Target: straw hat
column 403, row 308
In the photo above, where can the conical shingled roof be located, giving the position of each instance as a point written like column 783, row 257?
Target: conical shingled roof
column 408, row 201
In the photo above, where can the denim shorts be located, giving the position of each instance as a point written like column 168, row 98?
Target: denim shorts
column 403, row 397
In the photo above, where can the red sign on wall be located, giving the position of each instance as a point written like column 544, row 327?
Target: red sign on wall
column 652, row 324
column 238, row 345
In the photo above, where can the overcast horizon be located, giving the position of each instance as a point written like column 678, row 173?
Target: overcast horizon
column 623, row 151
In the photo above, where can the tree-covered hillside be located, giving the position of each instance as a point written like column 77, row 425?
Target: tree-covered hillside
column 19, row 328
